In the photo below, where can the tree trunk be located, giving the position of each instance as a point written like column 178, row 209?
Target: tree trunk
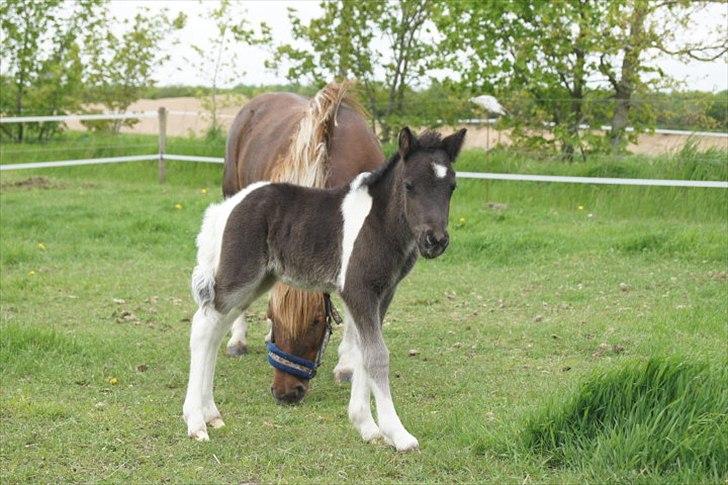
column 624, row 88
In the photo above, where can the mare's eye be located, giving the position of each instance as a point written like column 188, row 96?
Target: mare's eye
column 409, row 186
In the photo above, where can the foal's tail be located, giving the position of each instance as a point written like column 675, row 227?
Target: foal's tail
column 203, row 276
column 307, row 162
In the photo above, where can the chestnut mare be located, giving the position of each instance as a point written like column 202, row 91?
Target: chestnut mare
column 321, row 142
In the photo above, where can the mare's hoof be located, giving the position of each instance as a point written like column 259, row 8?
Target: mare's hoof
column 342, row 375
column 200, row 435
column 236, row 350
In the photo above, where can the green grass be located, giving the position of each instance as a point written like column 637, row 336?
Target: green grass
column 644, row 419
column 536, row 294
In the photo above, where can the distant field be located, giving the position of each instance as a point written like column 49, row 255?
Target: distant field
column 186, row 122
column 553, row 301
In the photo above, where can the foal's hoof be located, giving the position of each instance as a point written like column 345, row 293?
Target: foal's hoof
column 342, row 375
column 236, row 350
column 403, row 442
column 216, row 423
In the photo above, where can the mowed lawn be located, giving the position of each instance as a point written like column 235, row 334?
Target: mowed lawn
column 543, row 285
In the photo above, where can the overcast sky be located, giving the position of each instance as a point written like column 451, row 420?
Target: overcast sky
column 697, row 75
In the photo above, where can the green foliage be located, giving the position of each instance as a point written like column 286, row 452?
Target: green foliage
column 659, row 418
column 549, row 56
column 340, row 44
column 120, row 67
column 42, row 65
column 219, row 65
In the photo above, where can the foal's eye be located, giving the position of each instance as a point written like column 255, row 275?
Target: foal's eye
column 453, row 187
column 409, row 186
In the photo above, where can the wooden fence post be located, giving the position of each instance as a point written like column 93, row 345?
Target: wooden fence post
column 162, row 112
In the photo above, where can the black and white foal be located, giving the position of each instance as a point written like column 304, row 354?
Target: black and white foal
column 359, row 240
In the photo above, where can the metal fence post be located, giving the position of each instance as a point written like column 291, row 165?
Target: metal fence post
column 162, row 112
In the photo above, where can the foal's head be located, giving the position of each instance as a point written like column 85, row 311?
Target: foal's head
column 429, row 182
column 298, row 324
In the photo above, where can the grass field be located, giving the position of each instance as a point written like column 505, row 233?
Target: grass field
column 570, row 333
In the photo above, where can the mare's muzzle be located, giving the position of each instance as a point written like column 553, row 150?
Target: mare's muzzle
column 298, row 366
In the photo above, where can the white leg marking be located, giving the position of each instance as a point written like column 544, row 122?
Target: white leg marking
column 238, row 345
column 440, row 170
column 208, row 329
column 389, row 423
column 354, row 208
column 360, row 411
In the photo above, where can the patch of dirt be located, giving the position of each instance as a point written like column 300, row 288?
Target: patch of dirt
column 605, row 349
column 33, row 183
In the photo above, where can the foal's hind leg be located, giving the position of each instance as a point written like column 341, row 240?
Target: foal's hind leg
column 208, row 329
column 238, row 345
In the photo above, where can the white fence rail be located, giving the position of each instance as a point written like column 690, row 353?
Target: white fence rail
column 161, row 156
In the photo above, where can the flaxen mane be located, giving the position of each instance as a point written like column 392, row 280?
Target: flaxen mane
column 307, row 163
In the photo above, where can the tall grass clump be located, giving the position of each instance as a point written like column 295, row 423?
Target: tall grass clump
column 663, row 418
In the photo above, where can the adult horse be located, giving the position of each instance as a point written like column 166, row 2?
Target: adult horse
column 319, row 142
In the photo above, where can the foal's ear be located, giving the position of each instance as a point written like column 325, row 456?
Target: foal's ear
column 407, row 142
column 452, row 144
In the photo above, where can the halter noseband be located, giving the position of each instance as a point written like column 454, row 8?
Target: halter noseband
column 298, row 366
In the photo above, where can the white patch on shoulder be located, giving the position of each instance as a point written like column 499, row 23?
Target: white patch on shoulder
column 440, row 170
column 209, row 240
column 354, row 208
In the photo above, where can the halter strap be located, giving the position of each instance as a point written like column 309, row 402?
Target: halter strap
column 298, row 366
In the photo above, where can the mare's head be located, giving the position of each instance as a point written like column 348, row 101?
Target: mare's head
column 298, row 325
column 429, row 181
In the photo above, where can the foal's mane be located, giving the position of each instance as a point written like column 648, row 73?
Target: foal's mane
column 429, row 140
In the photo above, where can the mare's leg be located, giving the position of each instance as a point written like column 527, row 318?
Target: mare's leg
column 360, row 411
column 365, row 310
column 208, row 329
column 349, row 344
column 238, row 345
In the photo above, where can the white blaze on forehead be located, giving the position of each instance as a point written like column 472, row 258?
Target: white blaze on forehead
column 354, row 208
column 440, row 170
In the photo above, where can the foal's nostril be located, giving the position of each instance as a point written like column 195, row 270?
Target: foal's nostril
column 430, row 239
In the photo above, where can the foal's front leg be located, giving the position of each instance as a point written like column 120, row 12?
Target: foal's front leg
column 360, row 410
column 375, row 363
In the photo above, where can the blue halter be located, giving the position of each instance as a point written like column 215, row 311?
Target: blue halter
column 298, row 366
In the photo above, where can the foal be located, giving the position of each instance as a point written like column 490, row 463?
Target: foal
column 359, row 240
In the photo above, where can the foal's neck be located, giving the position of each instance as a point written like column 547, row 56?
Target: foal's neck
column 388, row 203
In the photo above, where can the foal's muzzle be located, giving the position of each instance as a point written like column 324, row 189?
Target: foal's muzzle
column 431, row 244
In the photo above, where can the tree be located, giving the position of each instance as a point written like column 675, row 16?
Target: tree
column 553, row 57
column 119, row 68
column 641, row 27
column 41, row 60
column 385, row 46
column 219, row 64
